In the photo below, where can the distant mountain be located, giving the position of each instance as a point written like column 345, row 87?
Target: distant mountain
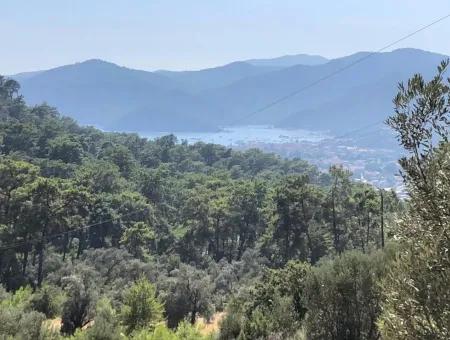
column 108, row 96
column 216, row 77
column 198, row 81
column 290, row 60
column 118, row 98
column 357, row 96
column 366, row 92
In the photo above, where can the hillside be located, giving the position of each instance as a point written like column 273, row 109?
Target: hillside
column 162, row 219
column 117, row 98
column 358, row 96
column 108, row 96
column 114, row 236
column 211, row 78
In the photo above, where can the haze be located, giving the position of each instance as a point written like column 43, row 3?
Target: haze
column 179, row 34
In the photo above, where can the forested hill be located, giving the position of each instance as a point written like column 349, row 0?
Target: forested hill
column 214, row 214
column 113, row 236
column 116, row 98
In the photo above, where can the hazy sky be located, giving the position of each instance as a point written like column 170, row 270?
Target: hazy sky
column 182, row 34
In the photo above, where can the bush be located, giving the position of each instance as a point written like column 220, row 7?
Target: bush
column 47, row 300
column 20, row 299
column 142, row 309
column 78, row 306
column 30, row 325
column 106, row 325
column 161, row 332
column 18, row 324
column 273, row 308
column 187, row 294
column 185, row 331
column 343, row 297
column 230, row 327
column 416, row 290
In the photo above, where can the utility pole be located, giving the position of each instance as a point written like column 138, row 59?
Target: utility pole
column 382, row 217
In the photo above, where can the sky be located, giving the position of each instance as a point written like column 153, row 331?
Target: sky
column 181, row 34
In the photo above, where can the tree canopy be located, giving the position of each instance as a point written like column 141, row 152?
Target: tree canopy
column 121, row 236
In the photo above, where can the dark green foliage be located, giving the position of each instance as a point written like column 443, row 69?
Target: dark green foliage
column 17, row 321
column 297, row 210
column 187, row 294
column 137, row 238
column 274, row 306
column 230, row 327
column 343, row 297
column 19, row 325
column 88, row 219
column 106, row 325
column 417, row 289
column 276, row 309
column 65, row 148
column 46, row 300
column 78, row 307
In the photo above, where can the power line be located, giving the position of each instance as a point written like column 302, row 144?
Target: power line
column 332, row 74
column 269, row 105
column 355, row 131
column 56, row 235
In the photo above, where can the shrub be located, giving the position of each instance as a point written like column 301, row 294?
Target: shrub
column 78, row 306
column 46, row 300
column 343, row 297
column 106, row 324
column 142, row 309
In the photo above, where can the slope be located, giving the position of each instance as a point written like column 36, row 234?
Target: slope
column 345, row 101
column 103, row 94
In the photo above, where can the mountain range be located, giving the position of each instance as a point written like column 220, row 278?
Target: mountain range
column 100, row 93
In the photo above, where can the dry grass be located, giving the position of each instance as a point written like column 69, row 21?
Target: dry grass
column 204, row 326
column 212, row 326
column 53, row 325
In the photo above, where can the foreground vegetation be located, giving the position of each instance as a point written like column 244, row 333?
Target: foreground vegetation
column 119, row 236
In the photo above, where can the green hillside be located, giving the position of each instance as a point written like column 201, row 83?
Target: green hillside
column 119, row 237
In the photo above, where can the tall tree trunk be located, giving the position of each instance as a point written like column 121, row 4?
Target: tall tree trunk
column 306, row 224
column 230, row 251
column 194, row 309
column 223, row 253
column 33, row 261
column 25, row 256
column 368, row 229
column 361, row 234
column 286, row 243
column 335, row 232
column 242, row 241
column 40, row 274
column 193, row 315
column 217, row 239
column 66, row 243
column 80, row 244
